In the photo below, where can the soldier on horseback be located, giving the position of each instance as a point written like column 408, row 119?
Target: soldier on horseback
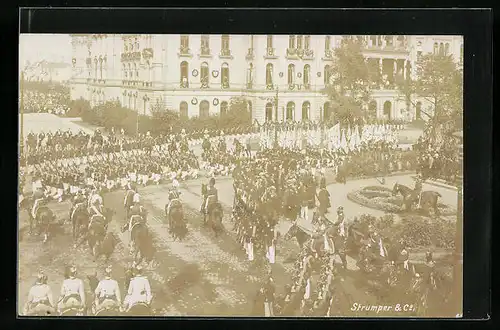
column 72, row 290
column 136, row 214
column 38, row 198
column 341, row 221
column 40, row 297
column 139, row 290
column 324, row 200
column 78, row 202
column 128, row 200
column 96, row 209
column 107, row 290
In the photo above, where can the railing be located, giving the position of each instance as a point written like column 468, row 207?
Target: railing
column 225, row 53
column 270, row 53
column 250, row 54
column 205, row 51
column 184, row 51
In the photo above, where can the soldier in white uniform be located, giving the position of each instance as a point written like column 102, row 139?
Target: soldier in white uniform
column 107, row 293
column 72, row 292
column 139, row 290
column 40, row 299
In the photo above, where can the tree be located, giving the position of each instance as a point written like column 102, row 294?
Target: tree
column 439, row 82
column 162, row 120
column 350, row 81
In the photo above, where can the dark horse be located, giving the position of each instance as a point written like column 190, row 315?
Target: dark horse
column 97, row 230
column 213, row 212
column 300, row 235
column 142, row 242
column 43, row 219
column 428, row 199
column 175, row 217
column 139, row 309
column 80, row 221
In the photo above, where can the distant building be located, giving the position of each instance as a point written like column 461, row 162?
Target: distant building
column 197, row 75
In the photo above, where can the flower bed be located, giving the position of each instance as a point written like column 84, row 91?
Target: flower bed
column 381, row 198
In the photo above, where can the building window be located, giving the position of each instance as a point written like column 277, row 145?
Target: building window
column 290, row 111
column 435, row 50
column 225, row 46
column 269, row 41
column 307, row 42
column 223, row 108
column 299, row 42
column 306, row 107
column 328, row 41
column 224, row 77
column 291, row 42
column 269, row 111
column 446, row 49
column 204, row 75
column 269, row 75
column 184, row 45
column 387, row 109
column 441, row 49
column 291, row 74
column 204, row 109
column 327, row 112
column 184, row 74
column 326, row 75
column 183, row 110
column 307, row 76
column 205, row 45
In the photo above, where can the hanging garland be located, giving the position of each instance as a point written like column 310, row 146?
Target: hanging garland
column 319, row 74
column 281, row 74
column 194, row 101
column 216, row 102
column 195, row 73
column 299, row 74
column 215, row 73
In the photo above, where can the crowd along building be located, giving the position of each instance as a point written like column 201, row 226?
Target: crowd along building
column 281, row 76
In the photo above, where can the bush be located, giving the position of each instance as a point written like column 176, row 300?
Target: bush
column 77, row 108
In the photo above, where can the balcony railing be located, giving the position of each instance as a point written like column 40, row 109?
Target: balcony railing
column 250, row 54
column 291, row 52
column 225, row 52
column 184, row 51
column 147, row 53
column 205, row 51
column 131, row 56
column 328, row 54
column 270, row 53
column 184, row 84
column 249, row 85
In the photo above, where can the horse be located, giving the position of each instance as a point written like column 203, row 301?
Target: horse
column 129, row 197
column 72, row 307
column 175, row 217
column 40, row 309
column 43, row 218
column 300, row 235
column 213, row 212
column 80, row 221
column 139, row 309
column 428, row 199
column 142, row 242
column 97, row 230
column 339, row 244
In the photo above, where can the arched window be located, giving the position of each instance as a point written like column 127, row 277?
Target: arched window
column 204, row 75
column 372, row 109
column 223, row 108
column 387, row 109
column 224, row 76
column 183, row 110
column 435, row 48
column 307, row 42
column 446, row 49
column 307, row 76
column 441, row 49
column 326, row 75
column 204, row 109
column 326, row 111
column 184, row 74
column 290, row 111
column 306, row 107
column 291, row 74
column 184, row 44
column 100, row 68
column 205, row 45
column 269, row 41
column 269, row 75
column 269, row 111
column 291, row 42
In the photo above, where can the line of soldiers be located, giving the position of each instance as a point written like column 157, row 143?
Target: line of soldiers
column 107, row 293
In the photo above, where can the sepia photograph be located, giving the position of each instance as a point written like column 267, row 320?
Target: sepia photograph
column 240, row 175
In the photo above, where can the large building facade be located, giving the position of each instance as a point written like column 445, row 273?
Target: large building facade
column 282, row 77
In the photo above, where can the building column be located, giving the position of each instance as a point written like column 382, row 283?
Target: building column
column 395, row 65
column 380, row 64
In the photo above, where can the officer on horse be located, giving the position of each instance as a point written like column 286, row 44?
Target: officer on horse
column 72, row 290
column 137, row 213
column 96, row 209
column 107, row 290
column 40, row 297
column 78, row 202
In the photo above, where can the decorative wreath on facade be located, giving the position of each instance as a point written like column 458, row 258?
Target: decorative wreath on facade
column 194, row 101
column 216, row 102
column 215, row 73
column 195, row 73
column 299, row 74
column 319, row 74
column 281, row 74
